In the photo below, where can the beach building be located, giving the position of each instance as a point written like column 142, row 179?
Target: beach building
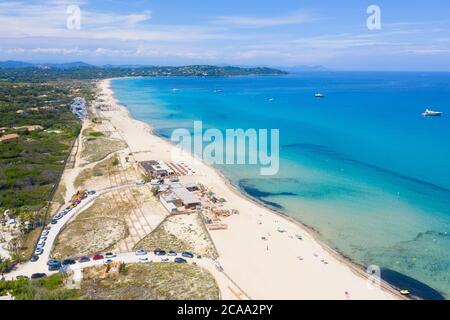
column 178, row 198
column 192, row 186
column 156, row 169
column 188, row 199
column 167, row 200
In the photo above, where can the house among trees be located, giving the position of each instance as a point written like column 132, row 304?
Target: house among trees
column 9, row 137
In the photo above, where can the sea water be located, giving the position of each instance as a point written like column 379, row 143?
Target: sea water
column 361, row 166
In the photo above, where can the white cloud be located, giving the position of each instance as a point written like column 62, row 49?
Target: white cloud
column 257, row 22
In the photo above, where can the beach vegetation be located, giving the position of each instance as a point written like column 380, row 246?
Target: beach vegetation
column 48, row 288
column 154, row 281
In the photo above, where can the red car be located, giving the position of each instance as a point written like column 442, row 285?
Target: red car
column 97, row 257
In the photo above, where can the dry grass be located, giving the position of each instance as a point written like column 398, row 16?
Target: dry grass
column 28, row 243
column 180, row 233
column 89, row 236
column 101, row 169
column 160, row 238
column 59, row 194
column 97, row 229
column 152, row 281
column 98, row 148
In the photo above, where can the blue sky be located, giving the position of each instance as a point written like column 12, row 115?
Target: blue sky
column 413, row 36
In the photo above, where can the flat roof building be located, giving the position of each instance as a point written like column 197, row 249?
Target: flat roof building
column 187, row 198
column 156, row 168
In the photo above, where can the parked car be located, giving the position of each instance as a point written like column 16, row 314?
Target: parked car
column 156, row 182
column 164, row 259
column 159, row 252
column 38, row 275
column 90, row 192
column 41, row 243
column 53, row 261
column 68, row 262
column 109, row 261
column 140, row 252
column 180, row 260
column 43, row 238
column 97, row 257
column 44, row 233
column 109, row 255
column 22, row 277
column 144, row 259
column 39, row 251
column 140, row 182
column 187, row 255
column 84, row 259
column 34, row 258
column 54, row 266
column 172, row 253
column 54, row 221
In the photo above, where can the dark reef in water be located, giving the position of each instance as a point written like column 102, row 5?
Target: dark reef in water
column 261, row 195
column 254, row 191
column 416, row 288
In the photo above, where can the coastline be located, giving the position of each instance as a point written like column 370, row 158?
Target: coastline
column 358, row 271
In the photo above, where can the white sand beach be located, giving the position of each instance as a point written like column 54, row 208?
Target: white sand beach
column 280, row 267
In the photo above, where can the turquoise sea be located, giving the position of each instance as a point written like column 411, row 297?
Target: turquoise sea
column 361, row 166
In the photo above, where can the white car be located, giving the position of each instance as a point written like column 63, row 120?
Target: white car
column 41, row 243
column 155, row 182
column 164, row 259
column 144, row 259
column 109, row 255
column 38, row 251
column 44, row 233
column 140, row 182
column 140, row 252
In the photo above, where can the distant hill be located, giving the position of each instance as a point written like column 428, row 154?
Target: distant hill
column 79, row 70
column 15, row 64
column 22, row 64
column 200, row 70
column 77, row 64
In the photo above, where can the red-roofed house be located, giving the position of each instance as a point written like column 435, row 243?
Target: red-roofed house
column 9, row 137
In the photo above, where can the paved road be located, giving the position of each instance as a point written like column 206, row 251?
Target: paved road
column 228, row 289
column 29, row 268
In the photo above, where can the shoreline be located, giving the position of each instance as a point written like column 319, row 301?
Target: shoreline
column 356, row 269
column 359, row 269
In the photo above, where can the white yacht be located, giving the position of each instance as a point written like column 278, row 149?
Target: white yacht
column 319, row 95
column 431, row 113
